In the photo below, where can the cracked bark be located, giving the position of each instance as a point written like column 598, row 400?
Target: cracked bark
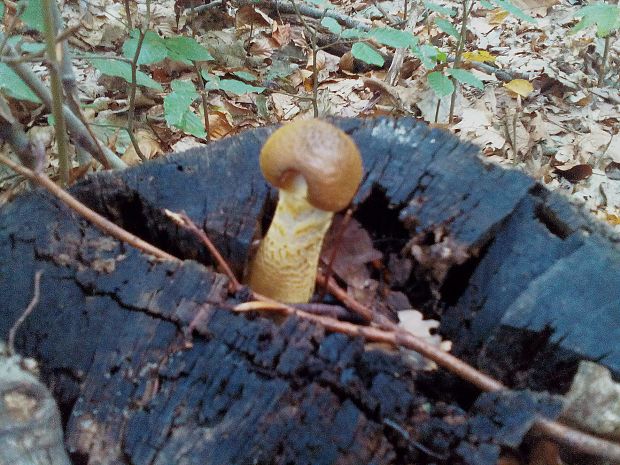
column 110, row 330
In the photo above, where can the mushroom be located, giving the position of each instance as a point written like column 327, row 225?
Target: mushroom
column 318, row 169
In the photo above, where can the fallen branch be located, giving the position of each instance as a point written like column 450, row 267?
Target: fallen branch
column 287, row 8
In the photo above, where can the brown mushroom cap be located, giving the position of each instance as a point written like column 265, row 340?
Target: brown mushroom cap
column 326, row 157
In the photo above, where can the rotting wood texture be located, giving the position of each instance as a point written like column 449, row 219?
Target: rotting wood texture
column 110, row 330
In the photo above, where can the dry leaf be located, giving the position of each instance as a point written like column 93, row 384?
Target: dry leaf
column 281, row 33
column 149, row 146
column 480, row 56
column 354, row 249
column 249, row 17
column 498, row 16
column 520, row 87
column 576, row 173
column 219, row 126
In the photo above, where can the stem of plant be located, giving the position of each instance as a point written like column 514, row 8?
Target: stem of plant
column 603, row 68
column 315, row 77
column 459, row 53
column 205, row 104
column 128, row 14
column 131, row 113
column 57, row 93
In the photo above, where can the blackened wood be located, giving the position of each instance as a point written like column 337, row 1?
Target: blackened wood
column 111, row 330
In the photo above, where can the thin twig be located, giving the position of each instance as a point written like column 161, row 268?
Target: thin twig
column 95, row 218
column 185, row 222
column 31, row 306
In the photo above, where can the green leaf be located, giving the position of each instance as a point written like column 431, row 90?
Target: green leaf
column 1, row 11
column 13, row 86
column 280, row 68
column 153, row 48
column 441, row 84
column 392, row 37
column 185, row 88
column 238, row 88
column 353, row 34
column 465, row 77
column 212, row 81
column 428, row 55
column 177, row 108
column 486, row 4
column 33, row 14
column 332, row 25
column 112, row 67
column 186, row 49
column 513, row 10
column 426, row 62
column 367, row 54
column 446, row 26
column 442, row 10
column 606, row 17
column 249, row 77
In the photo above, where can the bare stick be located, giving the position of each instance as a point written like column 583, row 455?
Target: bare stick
column 95, row 218
column 33, row 303
column 185, row 222
column 286, row 8
column 342, row 296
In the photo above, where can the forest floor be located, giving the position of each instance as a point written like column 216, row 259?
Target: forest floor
column 547, row 114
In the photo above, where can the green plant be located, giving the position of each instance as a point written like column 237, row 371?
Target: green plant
column 606, row 18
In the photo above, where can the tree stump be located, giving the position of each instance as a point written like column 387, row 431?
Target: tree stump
column 517, row 276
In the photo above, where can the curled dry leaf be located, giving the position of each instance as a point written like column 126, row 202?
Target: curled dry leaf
column 353, row 250
column 576, row 173
column 149, row 146
column 219, row 126
column 247, row 16
column 414, row 322
column 281, row 33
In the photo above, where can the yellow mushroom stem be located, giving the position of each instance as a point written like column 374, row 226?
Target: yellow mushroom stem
column 285, row 265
